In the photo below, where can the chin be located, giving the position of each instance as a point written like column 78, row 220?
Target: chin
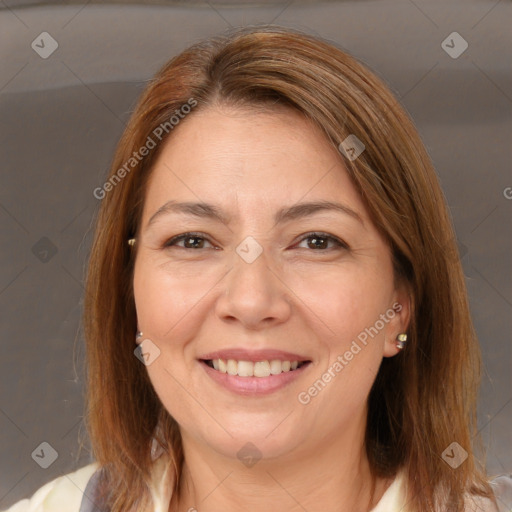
column 265, row 442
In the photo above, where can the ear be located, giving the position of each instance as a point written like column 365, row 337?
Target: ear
column 401, row 305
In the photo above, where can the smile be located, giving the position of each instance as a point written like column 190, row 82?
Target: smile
column 253, row 378
column 253, row 369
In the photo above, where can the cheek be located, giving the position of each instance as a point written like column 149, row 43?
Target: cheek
column 165, row 301
column 166, row 314
column 350, row 310
column 347, row 302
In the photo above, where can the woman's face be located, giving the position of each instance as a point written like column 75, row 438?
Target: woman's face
column 259, row 287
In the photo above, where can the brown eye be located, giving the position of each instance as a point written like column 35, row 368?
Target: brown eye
column 320, row 241
column 190, row 241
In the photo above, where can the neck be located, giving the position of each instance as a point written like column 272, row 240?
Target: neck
column 334, row 476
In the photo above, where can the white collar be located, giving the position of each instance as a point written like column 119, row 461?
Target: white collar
column 394, row 498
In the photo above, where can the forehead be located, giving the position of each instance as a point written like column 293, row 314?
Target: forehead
column 229, row 155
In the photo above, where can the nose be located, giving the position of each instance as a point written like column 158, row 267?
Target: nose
column 253, row 294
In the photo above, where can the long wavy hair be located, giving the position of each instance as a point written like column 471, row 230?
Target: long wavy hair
column 424, row 398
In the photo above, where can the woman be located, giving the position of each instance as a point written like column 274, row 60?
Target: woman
column 276, row 315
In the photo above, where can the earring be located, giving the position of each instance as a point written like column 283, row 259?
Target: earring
column 131, row 241
column 138, row 336
column 401, row 340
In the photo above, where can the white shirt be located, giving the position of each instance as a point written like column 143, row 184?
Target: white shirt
column 66, row 493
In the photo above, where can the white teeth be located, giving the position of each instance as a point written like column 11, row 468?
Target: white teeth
column 261, row 369
column 275, row 367
column 257, row 369
column 245, row 368
column 232, row 367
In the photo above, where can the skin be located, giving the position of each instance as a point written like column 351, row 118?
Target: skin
column 293, row 297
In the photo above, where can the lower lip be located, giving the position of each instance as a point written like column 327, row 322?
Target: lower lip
column 254, row 385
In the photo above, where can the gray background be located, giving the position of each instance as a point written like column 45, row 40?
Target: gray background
column 61, row 118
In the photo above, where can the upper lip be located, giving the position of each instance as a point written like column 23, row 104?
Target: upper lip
column 240, row 354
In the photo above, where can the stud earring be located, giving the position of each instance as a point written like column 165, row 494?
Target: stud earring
column 401, row 340
column 131, row 241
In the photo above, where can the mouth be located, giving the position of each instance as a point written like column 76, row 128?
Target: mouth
column 261, row 369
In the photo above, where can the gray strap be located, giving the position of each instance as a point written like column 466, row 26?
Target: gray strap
column 93, row 499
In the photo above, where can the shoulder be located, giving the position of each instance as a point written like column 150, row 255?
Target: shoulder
column 66, row 489
column 502, row 488
column 395, row 497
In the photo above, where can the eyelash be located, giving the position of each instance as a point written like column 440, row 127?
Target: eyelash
column 338, row 243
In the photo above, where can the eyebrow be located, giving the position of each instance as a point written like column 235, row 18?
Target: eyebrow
column 286, row 214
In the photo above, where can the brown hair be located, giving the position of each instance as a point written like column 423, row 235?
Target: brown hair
column 424, row 398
